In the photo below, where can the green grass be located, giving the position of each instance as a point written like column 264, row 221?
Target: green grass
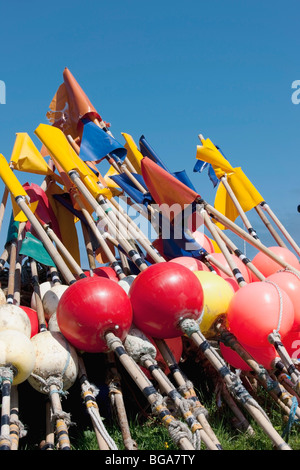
column 146, row 430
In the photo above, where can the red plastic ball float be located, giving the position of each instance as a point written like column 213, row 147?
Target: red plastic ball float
column 191, row 263
column 33, row 317
column 239, row 264
column 204, row 241
column 161, row 296
column 254, row 313
column 89, row 309
column 268, row 266
column 290, row 283
column 104, row 271
column 264, row 356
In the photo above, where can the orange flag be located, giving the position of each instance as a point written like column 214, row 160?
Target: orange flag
column 167, row 191
column 69, row 105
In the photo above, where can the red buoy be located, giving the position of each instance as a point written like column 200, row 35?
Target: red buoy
column 104, row 271
column 268, row 266
column 89, row 309
column 191, row 263
column 256, row 310
column 263, row 356
column 33, row 317
column 161, row 296
column 290, row 283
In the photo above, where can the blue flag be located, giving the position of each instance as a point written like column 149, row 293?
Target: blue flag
column 124, row 182
column 96, row 144
column 147, row 151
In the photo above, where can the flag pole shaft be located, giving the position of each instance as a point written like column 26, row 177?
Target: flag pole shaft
column 243, row 234
column 281, row 227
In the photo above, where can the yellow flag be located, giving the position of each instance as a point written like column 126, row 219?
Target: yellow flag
column 210, row 154
column 110, row 183
column 66, row 221
column 246, row 194
column 224, row 204
column 60, row 150
column 133, row 153
column 19, row 215
column 26, row 157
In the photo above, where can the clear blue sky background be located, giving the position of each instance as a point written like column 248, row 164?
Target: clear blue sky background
column 169, row 70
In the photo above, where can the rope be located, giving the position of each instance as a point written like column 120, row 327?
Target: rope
column 276, row 331
column 6, row 373
column 20, row 425
column 46, row 383
column 291, row 420
column 177, row 429
column 93, row 411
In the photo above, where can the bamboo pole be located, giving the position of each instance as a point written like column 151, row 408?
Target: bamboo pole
column 242, row 233
column 191, row 328
column 117, row 402
column 146, row 387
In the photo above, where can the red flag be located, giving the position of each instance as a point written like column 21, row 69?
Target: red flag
column 167, row 191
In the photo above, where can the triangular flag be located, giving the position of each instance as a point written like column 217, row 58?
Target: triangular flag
column 35, row 249
column 167, row 191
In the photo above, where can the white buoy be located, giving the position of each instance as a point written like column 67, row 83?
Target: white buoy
column 51, row 299
column 55, row 358
column 13, row 317
column 44, row 287
column 126, row 282
column 16, row 350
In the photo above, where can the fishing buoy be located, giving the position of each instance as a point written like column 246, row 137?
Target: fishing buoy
column 55, row 357
column 126, row 282
column 256, row 310
column 290, row 283
column 104, row 271
column 51, row 299
column 162, row 296
column 204, row 241
column 268, row 266
column 89, row 309
column 191, row 263
column 16, row 350
column 263, row 356
column 44, row 287
column 239, row 264
column 13, row 317
column 33, row 318
column 217, row 296
column 233, row 283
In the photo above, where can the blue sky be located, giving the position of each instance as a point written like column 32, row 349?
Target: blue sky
column 169, row 70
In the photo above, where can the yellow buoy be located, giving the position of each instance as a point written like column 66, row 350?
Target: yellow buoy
column 217, row 296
